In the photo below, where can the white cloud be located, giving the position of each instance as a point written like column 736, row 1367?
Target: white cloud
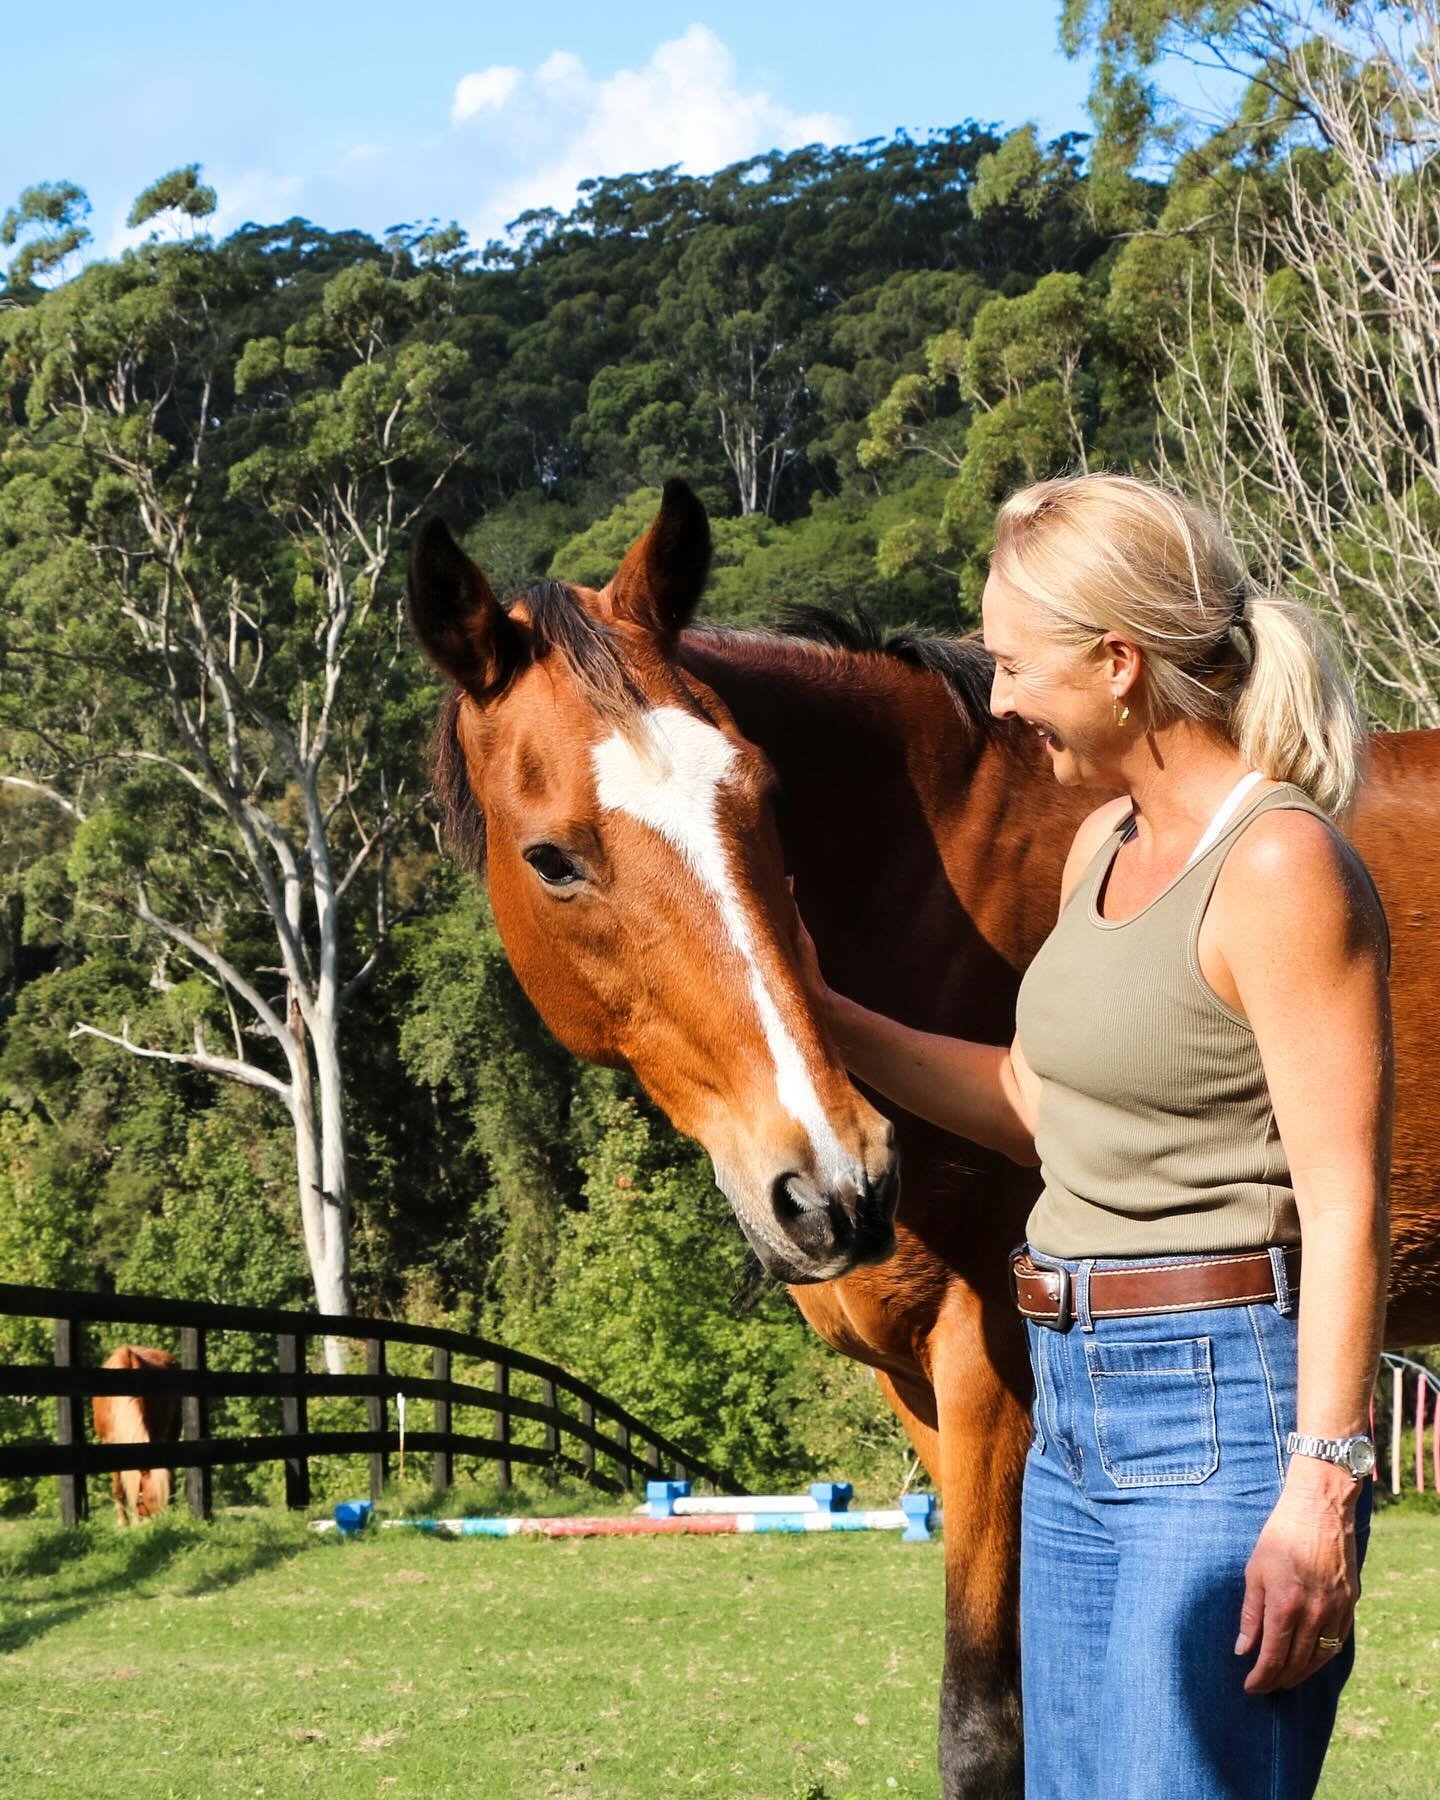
column 685, row 105
column 562, row 68
column 487, row 90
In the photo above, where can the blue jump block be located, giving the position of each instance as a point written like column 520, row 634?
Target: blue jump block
column 660, row 1497
column 353, row 1515
column 918, row 1510
column 831, row 1496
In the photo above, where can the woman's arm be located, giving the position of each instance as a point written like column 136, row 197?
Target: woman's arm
column 984, row 1092
column 1304, row 942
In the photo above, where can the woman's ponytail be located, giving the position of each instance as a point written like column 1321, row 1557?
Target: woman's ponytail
column 1296, row 717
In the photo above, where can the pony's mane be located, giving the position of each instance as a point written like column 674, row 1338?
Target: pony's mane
column 560, row 626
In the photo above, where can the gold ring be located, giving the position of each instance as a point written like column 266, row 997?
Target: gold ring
column 1328, row 1643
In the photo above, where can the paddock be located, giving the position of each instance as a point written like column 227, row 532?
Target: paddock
column 250, row 1655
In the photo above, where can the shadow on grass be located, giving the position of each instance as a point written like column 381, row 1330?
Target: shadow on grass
column 94, row 1569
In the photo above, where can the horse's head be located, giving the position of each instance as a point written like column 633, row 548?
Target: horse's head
column 627, row 834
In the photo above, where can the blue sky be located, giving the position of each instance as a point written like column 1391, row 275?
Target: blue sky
column 355, row 118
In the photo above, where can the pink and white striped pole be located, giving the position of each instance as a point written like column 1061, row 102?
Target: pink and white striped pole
column 1397, row 1402
column 1420, row 1386
column 1435, row 1449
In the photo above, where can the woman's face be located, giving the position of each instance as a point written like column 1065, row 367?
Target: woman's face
column 1064, row 694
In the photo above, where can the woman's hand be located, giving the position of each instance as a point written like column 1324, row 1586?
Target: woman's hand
column 1301, row 1584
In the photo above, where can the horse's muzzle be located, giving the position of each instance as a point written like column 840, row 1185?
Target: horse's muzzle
column 833, row 1232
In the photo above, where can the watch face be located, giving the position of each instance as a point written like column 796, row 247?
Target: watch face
column 1360, row 1456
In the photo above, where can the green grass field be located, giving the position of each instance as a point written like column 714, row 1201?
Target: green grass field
column 253, row 1658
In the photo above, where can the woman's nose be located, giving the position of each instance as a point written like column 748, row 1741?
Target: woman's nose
column 1000, row 703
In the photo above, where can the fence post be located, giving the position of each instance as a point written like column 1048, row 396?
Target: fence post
column 444, row 1467
column 70, row 1420
column 375, row 1404
column 625, row 1463
column 294, row 1417
column 552, row 1428
column 587, row 1447
column 502, row 1420
column 195, row 1421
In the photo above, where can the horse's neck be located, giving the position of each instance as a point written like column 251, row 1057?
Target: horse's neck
column 926, row 848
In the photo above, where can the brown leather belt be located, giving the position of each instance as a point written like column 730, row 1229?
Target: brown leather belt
column 1229, row 1278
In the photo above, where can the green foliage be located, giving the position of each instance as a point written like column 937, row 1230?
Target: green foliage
column 467, row 1032
column 647, row 1294
column 181, row 191
column 56, row 209
column 516, row 542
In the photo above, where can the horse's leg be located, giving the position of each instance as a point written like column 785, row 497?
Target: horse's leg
column 914, row 1406
column 984, row 1433
column 155, row 1492
column 130, row 1481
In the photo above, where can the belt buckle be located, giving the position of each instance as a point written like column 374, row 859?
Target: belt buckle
column 1063, row 1314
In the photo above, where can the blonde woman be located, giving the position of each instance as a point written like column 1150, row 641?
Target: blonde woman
column 1202, row 1068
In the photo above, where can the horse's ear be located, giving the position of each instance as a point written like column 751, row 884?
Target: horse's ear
column 461, row 626
column 659, row 582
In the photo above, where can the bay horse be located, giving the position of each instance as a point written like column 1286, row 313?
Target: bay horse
column 635, row 788
column 137, row 1419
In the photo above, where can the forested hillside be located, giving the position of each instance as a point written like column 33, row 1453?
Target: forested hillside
column 260, row 1041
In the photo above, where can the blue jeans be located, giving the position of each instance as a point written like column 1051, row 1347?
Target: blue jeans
column 1157, row 1454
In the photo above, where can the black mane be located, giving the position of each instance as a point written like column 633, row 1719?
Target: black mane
column 962, row 663
column 560, row 626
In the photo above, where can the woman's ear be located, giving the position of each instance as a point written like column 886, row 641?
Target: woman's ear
column 1121, row 662
column 461, row 626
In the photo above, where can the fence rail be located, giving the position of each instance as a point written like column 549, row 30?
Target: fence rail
column 600, row 1428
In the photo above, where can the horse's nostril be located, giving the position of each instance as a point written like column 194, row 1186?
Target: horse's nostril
column 811, row 1221
column 786, row 1206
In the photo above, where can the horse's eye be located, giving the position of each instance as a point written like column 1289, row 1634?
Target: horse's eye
column 553, row 866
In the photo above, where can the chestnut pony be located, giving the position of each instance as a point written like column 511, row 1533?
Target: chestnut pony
column 137, row 1419
column 636, row 788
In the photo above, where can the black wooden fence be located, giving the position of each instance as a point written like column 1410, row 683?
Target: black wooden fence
column 577, row 1442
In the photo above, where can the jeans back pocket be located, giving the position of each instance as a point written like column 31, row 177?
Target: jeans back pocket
column 1154, row 1410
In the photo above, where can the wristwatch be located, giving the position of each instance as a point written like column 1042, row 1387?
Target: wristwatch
column 1357, row 1454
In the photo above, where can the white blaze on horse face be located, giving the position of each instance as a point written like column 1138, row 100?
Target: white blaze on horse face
column 670, row 780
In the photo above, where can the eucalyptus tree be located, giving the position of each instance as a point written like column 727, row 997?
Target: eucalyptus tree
column 740, row 328
column 50, row 217
column 1006, row 398
column 1287, row 303
column 205, row 668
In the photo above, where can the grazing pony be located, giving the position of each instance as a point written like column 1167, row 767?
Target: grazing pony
column 636, row 788
column 138, row 1419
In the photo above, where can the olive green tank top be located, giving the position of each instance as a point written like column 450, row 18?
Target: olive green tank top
column 1156, row 1134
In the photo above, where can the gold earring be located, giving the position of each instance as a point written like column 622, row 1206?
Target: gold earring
column 1119, row 713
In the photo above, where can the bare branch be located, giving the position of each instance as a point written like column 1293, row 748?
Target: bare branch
column 232, row 1068
column 49, row 793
